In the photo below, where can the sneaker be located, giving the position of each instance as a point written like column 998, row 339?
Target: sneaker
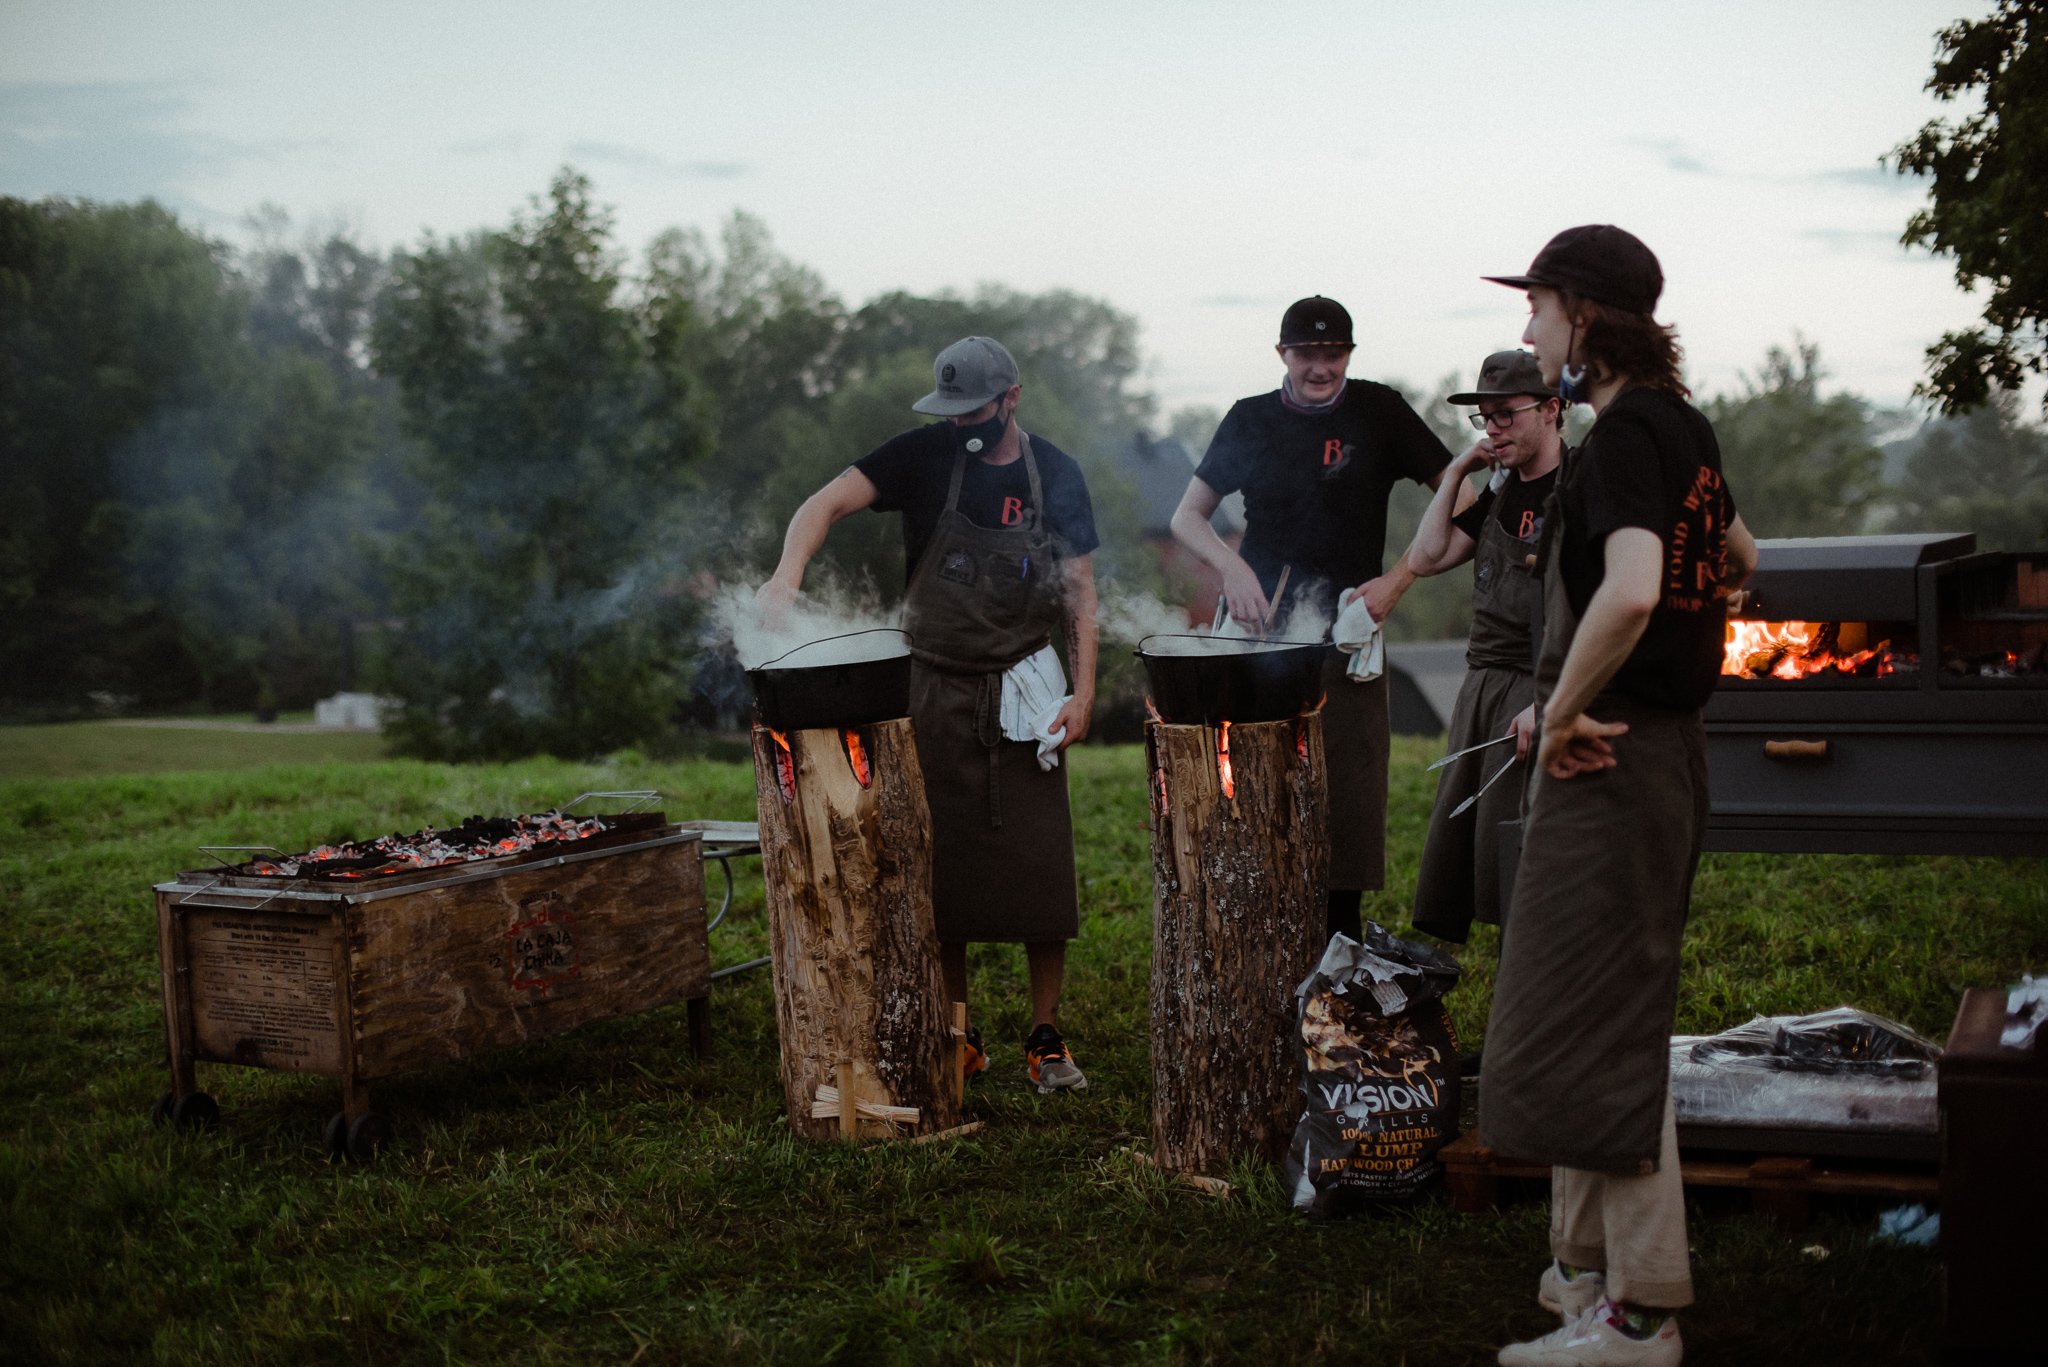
column 1568, row 1297
column 1594, row 1340
column 1050, row 1064
column 973, row 1058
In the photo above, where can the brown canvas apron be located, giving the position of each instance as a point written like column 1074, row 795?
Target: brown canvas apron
column 1577, row 1047
column 1355, row 726
column 980, row 600
column 1460, row 876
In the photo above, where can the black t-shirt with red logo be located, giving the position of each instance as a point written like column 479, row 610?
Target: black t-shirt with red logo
column 911, row 472
column 1316, row 484
column 1651, row 461
column 1518, row 507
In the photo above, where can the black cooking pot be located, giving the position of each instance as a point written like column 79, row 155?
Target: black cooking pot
column 800, row 697
column 1266, row 681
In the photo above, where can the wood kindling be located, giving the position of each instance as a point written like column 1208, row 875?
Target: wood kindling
column 831, row 1102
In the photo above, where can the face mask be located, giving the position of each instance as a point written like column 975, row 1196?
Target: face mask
column 1572, row 386
column 978, row 437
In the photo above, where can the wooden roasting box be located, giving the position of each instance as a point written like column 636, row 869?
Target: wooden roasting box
column 361, row 981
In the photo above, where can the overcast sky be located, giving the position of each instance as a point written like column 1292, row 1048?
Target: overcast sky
column 1197, row 165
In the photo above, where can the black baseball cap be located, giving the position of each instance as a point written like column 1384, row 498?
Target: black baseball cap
column 1507, row 374
column 1315, row 321
column 1597, row 261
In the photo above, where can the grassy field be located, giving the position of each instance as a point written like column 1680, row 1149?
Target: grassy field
column 604, row 1197
column 80, row 749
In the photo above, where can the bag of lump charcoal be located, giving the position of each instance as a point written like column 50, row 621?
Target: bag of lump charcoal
column 1379, row 1073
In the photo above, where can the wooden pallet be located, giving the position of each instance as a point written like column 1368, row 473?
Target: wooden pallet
column 1781, row 1186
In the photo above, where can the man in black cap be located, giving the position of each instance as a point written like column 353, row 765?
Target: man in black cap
column 1317, row 459
column 998, row 533
column 1518, row 415
column 1641, row 549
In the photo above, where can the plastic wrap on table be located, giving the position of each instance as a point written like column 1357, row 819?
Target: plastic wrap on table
column 1839, row 1070
column 1379, row 1073
column 2026, row 1006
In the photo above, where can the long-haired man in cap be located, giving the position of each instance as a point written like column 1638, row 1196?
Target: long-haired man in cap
column 1641, row 550
column 1317, row 459
column 1518, row 415
column 998, row 532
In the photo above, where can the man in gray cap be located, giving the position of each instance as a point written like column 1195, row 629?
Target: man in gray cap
column 1518, row 416
column 998, row 532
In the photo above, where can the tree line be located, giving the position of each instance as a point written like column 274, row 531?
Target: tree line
column 498, row 476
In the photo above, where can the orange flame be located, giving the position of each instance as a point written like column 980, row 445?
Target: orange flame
column 1153, row 712
column 857, row 756
column 1223, row 762
column 785, row 766
column 1790, row 650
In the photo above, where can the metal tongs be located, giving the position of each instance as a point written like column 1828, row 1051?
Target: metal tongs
column 1468, row 750
column 1466, row 805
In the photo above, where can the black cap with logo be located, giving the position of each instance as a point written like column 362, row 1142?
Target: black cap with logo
column 1315, row 321
column 1597, row 261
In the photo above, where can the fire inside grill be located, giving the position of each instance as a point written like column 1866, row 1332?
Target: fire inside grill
column 475, row 839
column 1804, row 650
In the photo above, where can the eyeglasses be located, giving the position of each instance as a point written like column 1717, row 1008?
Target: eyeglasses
column 1504, row 418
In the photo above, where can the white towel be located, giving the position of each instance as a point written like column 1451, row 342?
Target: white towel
column 1034, row 691
column 1358, row 635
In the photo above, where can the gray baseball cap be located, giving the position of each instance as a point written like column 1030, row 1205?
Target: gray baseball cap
column 1506, row 374
column 967, row 375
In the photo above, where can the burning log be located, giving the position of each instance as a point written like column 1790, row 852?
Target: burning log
column 867, row 1048
column 1240, row 858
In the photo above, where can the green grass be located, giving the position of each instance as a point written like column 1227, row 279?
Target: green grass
column 604, row 1196
column 84, row 748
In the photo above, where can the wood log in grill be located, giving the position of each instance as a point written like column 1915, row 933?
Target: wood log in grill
column 859, row 1002
column 1239, row 906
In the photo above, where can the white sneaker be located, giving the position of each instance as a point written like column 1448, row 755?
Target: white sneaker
column 1568, row 1297
column 1591, row 1340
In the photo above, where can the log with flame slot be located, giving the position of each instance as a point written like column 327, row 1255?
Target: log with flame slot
column 867, row 1048
column 1240, row 858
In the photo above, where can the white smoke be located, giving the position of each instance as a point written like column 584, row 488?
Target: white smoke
column 823, row 628
column 1158, row 628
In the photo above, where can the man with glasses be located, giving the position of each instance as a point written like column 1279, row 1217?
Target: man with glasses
column 1520, row 442
column 1317, row 460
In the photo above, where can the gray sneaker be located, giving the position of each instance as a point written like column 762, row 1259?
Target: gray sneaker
column 1051, row 1066
column 1568, row 1297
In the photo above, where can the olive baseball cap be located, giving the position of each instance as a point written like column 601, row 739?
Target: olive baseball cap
column 967, row 375
column 1315, row 321
column 1507, row 374
column 1597, row 261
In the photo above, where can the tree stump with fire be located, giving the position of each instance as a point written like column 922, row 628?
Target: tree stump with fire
column 1240, row 860
column 868, row 1045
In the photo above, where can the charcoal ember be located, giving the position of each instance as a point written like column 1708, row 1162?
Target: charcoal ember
column 477, row 837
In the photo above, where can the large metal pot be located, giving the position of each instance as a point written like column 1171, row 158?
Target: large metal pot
column 874, row 685
column 1252, row 680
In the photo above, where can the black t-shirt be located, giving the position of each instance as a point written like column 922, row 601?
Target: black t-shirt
column 1316, row 484
column 1651, row 461
column 1518, row 507
column 911, row 471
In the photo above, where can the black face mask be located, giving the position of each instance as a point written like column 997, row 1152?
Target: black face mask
column 981, row 437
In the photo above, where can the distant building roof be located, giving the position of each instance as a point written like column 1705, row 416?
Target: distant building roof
column 1161, row 468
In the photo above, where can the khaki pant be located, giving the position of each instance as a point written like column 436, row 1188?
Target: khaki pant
column 1633, row 1228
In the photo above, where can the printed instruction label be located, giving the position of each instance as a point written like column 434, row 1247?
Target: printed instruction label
column 263, row 989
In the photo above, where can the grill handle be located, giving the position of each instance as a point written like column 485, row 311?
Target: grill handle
column 1796, row 749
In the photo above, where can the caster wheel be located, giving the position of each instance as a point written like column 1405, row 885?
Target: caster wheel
column 335, row 1138
column 160, row 1114
column 367, row 1133
column 195, row 1111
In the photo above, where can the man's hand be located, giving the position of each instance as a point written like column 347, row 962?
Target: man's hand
column 1247, row 601
column 1382, row 594
column 1523, row 729
column 773, row 601
column 1577, row 745
column 1073, row 719
column 1480, row 455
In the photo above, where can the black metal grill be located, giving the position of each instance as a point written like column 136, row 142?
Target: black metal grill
column 1943, row 752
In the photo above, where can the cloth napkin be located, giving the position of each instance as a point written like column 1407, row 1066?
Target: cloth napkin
column 1034, row 691
column 1358, row 636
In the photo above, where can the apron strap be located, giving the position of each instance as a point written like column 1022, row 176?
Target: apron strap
column 953, row 490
